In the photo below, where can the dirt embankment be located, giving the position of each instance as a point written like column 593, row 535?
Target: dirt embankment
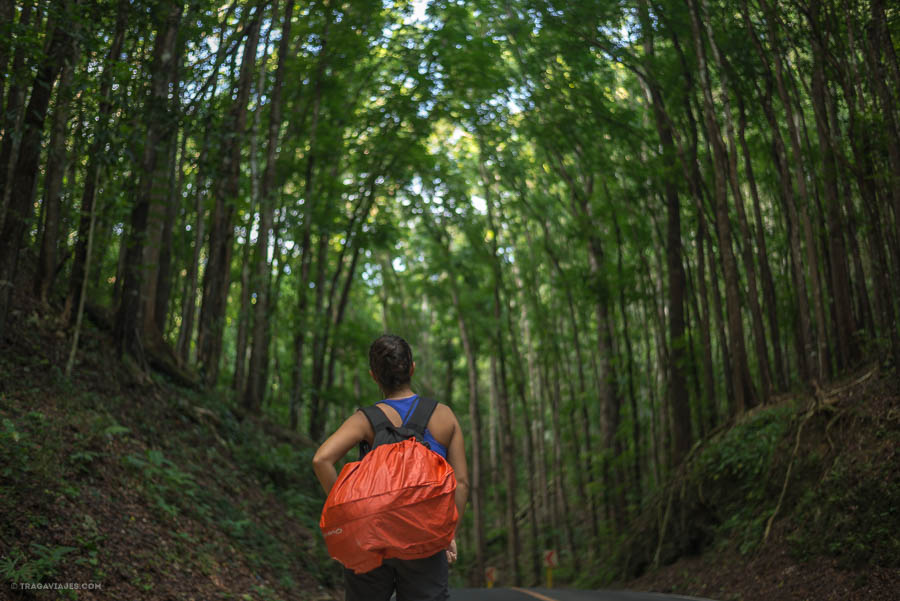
column 141, row 489
column 827, row 468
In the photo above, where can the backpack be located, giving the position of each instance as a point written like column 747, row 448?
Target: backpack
column 397, row 501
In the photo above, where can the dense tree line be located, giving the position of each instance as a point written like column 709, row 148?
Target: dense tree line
column 621, row 224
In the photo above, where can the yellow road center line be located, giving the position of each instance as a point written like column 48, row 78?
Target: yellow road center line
column 533, row 594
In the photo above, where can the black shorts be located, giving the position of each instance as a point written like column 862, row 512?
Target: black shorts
column 413, row 579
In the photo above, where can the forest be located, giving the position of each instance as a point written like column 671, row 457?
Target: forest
column 611, row 230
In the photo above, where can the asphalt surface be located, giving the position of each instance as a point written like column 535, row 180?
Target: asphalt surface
column 543, row 594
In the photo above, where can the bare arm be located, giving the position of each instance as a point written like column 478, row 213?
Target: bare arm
column 456, row 457
column 354, row 429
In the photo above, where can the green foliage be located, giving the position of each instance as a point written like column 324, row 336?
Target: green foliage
column 495, row 153
column 164, row 481
column 735, row 476
column 25, row 450
column 39, row 564
column 852, row 514
column 741, row 457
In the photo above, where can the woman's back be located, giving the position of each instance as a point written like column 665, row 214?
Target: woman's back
column 438, row 431
column 392, row 368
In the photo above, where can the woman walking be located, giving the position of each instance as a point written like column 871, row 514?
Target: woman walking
column 392, row 367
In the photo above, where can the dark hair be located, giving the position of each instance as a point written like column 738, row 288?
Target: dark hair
column 390, row 360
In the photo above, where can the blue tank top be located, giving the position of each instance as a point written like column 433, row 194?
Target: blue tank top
column 405, row 408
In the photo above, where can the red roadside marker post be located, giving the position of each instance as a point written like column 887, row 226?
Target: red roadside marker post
column 490, row 575
column 550, row 562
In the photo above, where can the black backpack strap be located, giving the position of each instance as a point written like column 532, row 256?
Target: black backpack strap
column 378, row 420
column 419, row 419
column 376, row 417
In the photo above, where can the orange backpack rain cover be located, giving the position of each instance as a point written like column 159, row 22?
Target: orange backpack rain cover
column 397, row 502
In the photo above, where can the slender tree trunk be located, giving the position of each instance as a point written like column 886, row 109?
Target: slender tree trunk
column 709, row 385
column 217, row 274
column 7, row 15
column 477, row 492
column 629, row 359
column 677, row 388
column 259, row 348
column 768, row 285
column 840, row 271
column 96, row 159
column 13, row 116
column 523, row 380
column 189, row 302
column 802, row 219
column 507, row 448
column 656, row 438
column 56, row 167
column 310, row 214
column 744, row 395
column 160, row 214
column 160, row 124
column 565, row 512
column 173, row 208
column 493, row 466
column 758, row 329
column 239, row 379
column 881, row 43
column 337, row 316
column 20, row 209
column 719, row 317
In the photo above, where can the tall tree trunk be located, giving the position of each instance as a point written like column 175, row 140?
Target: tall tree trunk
column 840, row 270
column 337, row 316
column 96, row 159
column 189, row 301
column 56, row 167
column 758, row 329
column 310, row 213
column 802, row 220
column 477, row 494
column 768, row 285
column 629, row 359
column 7, row 16
column 20, row 204
column 12, row 116
column 239, row 379
column 528, row 420
column 719, row 318
column 507, row 448
column 744, row 396
column 709, row 385
column 173, row 207
column 217, row 275
column 161, row 125
column 259, row 347
column 563, row 509
column 493, row 465
column 160, row 214
column 582, row 457
column 249, row 285
column 677, row 388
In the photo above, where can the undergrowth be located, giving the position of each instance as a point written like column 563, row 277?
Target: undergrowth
column 827, row 473
column 208, row 492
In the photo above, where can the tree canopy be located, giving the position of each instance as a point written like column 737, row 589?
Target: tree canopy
column 606, row 228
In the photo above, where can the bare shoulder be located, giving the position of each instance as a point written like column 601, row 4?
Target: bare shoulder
column 442, row 423
column 444, row 413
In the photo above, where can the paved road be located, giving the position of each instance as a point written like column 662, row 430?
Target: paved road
column 543, row 594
